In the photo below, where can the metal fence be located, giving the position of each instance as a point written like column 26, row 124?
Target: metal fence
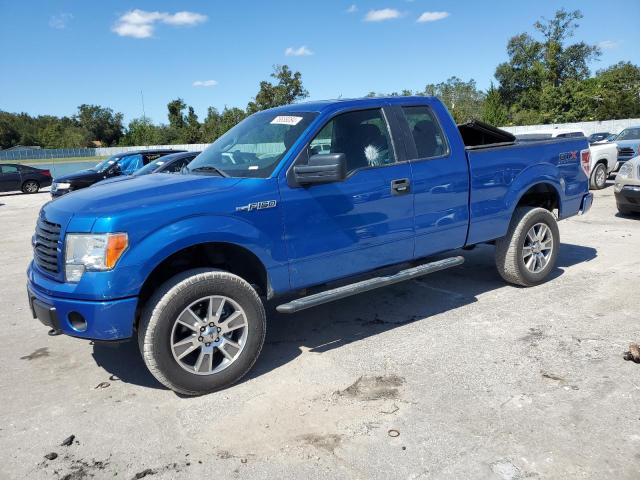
column 46, row 153
column 611, row 126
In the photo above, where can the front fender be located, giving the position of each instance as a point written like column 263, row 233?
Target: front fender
column 265, row 244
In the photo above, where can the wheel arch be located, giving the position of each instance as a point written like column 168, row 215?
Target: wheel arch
column 227, row 256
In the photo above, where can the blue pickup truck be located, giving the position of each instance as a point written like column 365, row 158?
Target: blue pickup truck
column 297, row 205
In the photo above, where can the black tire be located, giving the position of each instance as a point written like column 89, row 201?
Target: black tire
column 160, row 314
column 509, row 249
column 599, row 176
column 30, row 186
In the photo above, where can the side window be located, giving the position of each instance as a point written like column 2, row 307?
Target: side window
column 362, row 136
column 150, row 157
column 427, row 134
column 176, row 167
column 130, row 164
column 9, row 169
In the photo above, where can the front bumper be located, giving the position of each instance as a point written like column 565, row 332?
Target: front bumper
column 94, row 320
column 58, row 192
column 628, row 196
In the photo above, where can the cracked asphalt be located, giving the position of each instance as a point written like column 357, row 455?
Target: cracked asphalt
column 455, row 375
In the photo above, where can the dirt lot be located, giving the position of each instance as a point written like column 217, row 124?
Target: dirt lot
column 456, row 375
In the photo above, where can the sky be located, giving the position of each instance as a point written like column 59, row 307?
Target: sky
column 57, row 55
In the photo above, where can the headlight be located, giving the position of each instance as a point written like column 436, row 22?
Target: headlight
column 626, row 171
column 84, row 251
column 62, row 185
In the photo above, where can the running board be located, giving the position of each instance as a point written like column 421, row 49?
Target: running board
column 366, row 285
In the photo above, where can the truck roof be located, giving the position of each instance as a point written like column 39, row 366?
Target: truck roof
column 324, row 105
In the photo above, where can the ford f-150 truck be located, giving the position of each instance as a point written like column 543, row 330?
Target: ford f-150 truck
column 317, row 201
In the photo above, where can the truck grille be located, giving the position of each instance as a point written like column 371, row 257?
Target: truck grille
column 45, row 245
column 625, row 152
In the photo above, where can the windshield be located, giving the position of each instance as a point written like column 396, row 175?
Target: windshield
column 254, row 147
column 151, row 166
column 629, row 134
column 106, row 163
column 126, row 164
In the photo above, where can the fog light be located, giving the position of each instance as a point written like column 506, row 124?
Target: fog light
column 77, row 322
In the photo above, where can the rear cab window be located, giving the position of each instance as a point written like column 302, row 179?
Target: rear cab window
column 428, row 137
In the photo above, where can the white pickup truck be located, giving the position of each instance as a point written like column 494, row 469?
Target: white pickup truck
column 604, row 155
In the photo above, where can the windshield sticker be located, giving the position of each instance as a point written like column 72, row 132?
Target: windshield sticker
column 286, row 120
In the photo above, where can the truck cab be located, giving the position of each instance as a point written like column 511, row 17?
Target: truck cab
column 293, row 201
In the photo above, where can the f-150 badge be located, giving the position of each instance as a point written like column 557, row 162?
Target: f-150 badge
column 257, row 206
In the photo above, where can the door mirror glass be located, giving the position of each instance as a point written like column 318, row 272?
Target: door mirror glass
column 322, row 168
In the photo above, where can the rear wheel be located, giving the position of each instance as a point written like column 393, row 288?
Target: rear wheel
column 599, row 177
column 30, row 186
column 202, row 331
column 527, row 254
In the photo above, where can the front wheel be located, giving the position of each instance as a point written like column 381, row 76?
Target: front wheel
column 528, row 252
column 202, row 331
column 598, row 177
column 30, row 186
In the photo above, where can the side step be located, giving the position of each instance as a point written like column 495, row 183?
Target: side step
column 366, row 285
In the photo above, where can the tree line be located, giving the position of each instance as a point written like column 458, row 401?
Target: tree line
column 546, row 79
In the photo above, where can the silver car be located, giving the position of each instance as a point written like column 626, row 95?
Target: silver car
column 627, row 187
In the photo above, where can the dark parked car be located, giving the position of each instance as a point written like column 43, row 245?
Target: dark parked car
column 174, row 163
column 598, row 137
column 125, row 163
column 23, row 177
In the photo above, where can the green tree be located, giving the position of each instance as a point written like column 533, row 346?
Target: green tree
column 463, row 99
column 493, row 109
column 192, row 132
column 535, row 68
column 9, row 136
column 64, row 135
column 617, row 92
column 102, row 123
column 142, row 132
column 289, row 89
column 176, row 115
column 230, row 118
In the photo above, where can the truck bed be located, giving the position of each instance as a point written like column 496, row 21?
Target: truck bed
column 500, row 173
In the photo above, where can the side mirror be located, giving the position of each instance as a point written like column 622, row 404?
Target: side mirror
column 322, row 168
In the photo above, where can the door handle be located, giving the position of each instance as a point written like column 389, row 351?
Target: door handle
column 400, row 186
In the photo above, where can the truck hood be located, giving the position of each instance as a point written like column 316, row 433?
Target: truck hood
column 141, row 193
column 627, row 143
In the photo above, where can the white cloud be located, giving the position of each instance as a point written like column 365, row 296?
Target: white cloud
column 608, row 44
column 303, row 51
column 352, row 9
column 205, row 83
column 432, row 16
column 60, row 21
column 141, row 23
column 381, row 15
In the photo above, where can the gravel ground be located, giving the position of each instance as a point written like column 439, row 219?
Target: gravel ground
column 455, row 375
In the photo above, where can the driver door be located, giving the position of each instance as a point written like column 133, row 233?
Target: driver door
column 340, row 229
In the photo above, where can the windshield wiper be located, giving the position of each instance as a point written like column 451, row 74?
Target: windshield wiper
column 208, row 168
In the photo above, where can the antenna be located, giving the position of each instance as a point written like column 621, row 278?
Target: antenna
column 144, row 116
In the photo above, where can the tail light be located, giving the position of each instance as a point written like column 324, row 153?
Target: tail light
column 585, row 161
column 46, row 173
